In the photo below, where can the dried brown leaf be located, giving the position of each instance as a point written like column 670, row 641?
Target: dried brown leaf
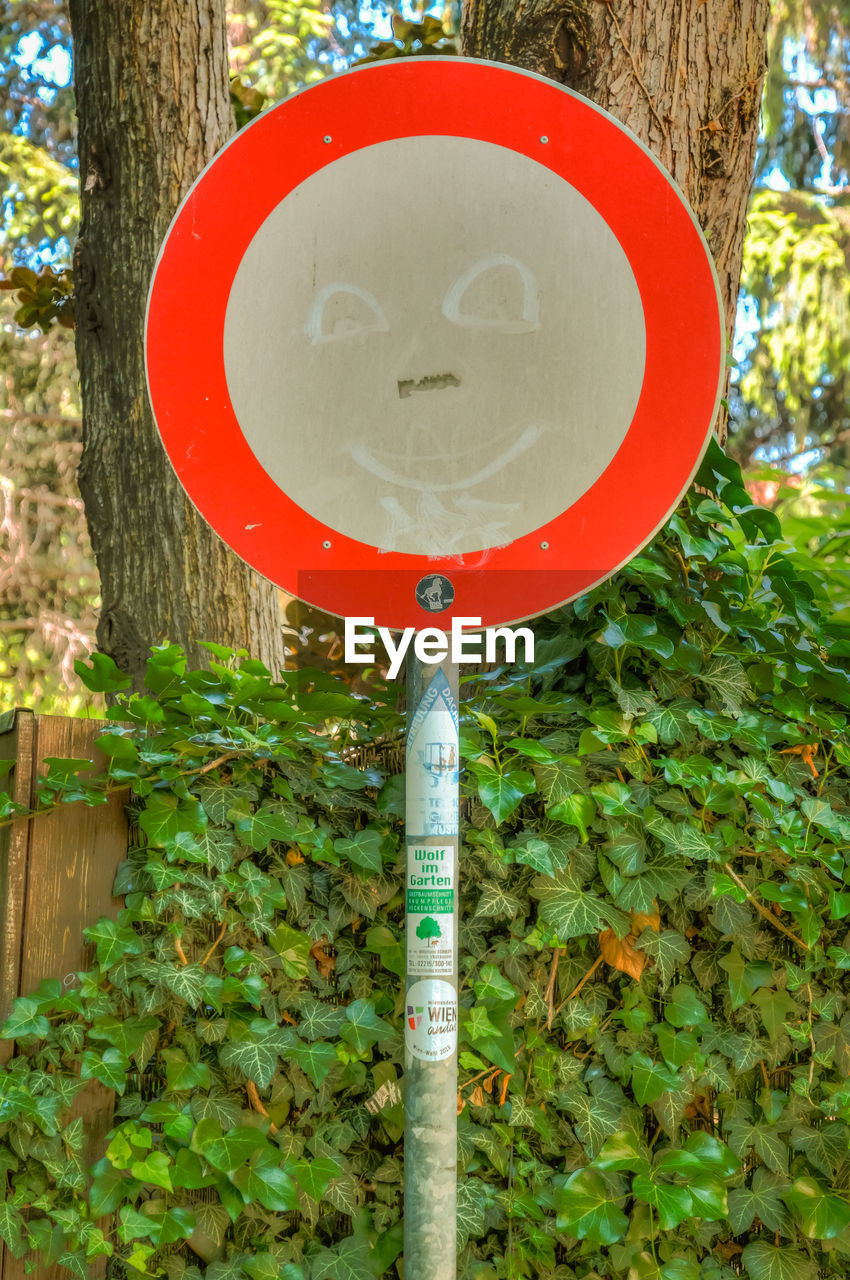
column 620, row 954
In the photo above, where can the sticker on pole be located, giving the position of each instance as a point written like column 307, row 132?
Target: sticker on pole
column 460, row 349
column 430, row 907
column 430, row 1029
column 432, row 763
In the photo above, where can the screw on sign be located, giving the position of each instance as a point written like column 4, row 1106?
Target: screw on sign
column 396, row 420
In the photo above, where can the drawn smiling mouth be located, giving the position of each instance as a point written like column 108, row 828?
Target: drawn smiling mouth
column 365, row 459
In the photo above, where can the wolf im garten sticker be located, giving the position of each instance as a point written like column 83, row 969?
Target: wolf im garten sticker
column 430, row 1028
column 430, row 907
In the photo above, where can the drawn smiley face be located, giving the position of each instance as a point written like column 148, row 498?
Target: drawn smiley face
column 450, row 338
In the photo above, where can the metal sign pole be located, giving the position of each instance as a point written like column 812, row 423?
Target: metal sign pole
column 431, row 979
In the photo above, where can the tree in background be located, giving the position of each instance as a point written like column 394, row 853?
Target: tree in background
column 666, row 71
column 153, row 102
column 684, row 75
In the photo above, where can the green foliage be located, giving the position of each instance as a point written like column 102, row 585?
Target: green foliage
column 795, row 269
column 41, row 203
column 655, row 1034
column 276, row 47
column 429, row 36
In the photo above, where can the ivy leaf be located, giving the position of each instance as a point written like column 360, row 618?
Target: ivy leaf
column 252, row 1058
column 363, row 1026
column 126, row 1034
column 214, row 847
column 673, row 1204
column 743, row 1135
column 492, row 985
column 574, row 811
column 501, row 793
column 472, row 1201
column 709, row 1196
column 315, row 1176
column 155, row 1168
column 536, row 854
column 762, row 1198
column 349, row 1260
column 685, row 1009
column 598, row 1114
column 263, row 1180
column 226, row 1151
column 11, row 1224
column 109, row 1187
column 294, row 950
column 166, row 815
column 710, row 1153
column 668, row 949
column 725, row 676
column 364, row 849
column 825, row 1148
column 212, row 1220
column 385, row 944
column 260, row 828
column 319, row 1020
column 477, row 1024
column 744, row 977
column 684, row 840
column 265, row 1266
column 183, row 1074
column 671, row 721
column 570, row 910
column 586, row 1209
column 650, row 1079
column 109, row 1066
column 776, row 1262
column 25, row 1020
column 163, row 1226
column 218, row 1106
column 775, row 1007
column 822, row 1216
column 623, row 1151
column 314, row 1059
column 101, row 675
column 186, row 981
column 113, row 941
column 560, row 778
column 498, row 903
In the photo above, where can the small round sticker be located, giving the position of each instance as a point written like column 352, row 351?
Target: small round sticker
column 434, row 592
column 430, row 1029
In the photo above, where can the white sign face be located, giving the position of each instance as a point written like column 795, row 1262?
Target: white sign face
column 445, row 391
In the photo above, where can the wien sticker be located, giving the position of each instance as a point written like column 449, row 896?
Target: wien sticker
column 432, row 763
column 430, row 1028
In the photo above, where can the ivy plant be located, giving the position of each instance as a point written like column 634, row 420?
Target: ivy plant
column 655, row 1003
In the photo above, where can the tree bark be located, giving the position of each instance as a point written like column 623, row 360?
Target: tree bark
column 153, row 105
column 684, row 75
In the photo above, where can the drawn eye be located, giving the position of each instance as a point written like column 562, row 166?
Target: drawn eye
column 341, row 312
column 498, row 292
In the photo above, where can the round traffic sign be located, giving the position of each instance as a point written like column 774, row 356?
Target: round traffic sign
column 435, row 320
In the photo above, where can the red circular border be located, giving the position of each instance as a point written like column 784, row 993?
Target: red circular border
column 462, row 98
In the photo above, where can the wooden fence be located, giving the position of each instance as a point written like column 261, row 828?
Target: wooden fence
column 56, row 877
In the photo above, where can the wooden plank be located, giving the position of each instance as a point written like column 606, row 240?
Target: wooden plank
column 17, row 737
column 71, row 857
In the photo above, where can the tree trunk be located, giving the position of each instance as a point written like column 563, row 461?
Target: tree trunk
column 684, row 75
column 153, row 105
